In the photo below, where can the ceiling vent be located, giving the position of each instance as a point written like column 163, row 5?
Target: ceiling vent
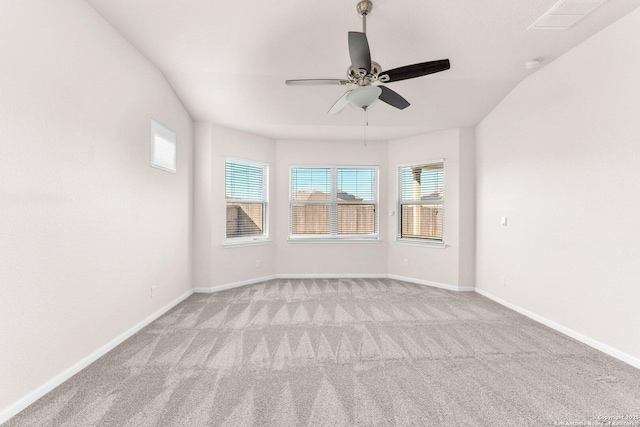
column 565, row 13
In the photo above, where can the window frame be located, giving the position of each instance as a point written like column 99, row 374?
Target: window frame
column 334, row 203
column 399, row 202
column 168, row 135
column 249, row 240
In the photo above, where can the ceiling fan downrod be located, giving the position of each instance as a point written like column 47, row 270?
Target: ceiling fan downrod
column 364, row 8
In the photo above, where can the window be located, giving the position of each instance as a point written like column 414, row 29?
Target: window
column 421, row 202
column 163, row 147
column 334, row 202
column 246, row 188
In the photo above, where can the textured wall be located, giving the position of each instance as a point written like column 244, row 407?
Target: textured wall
column 559, row 157
column 202, row 187
column 86, row 224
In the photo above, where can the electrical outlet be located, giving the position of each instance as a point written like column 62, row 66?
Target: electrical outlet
column 503, row 281
column 405, row 263
column 257, row 263
column 153, row 291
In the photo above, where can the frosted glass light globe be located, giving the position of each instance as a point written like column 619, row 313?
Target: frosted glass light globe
column 364, row 96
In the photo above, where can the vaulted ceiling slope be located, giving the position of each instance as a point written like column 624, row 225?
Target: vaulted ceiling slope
column 227, row 60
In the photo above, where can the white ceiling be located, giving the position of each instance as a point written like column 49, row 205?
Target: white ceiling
column 228, row 60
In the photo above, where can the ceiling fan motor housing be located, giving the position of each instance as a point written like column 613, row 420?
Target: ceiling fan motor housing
column 353, row 74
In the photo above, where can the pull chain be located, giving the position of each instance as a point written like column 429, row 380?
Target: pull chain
column 366, row 124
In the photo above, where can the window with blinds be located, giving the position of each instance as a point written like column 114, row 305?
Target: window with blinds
column 421, row 202
column 246, row 189
column 334, row 202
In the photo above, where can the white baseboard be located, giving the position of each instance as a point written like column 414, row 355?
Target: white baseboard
column 212, row 289
column 224, row 287
column 63, row 376
column 624, row 357
column 204, row 290
column 431, row 284
column 332, row 276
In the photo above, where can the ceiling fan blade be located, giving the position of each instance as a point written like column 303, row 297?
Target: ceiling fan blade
column 359, row 51
column 392, row 98
column 339, row 104
column 316, row 82
column 415, row 70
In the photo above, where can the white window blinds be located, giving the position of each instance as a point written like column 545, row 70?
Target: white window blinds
column 357, row 197
column 334, row 202
column 246, row 185
column 421, row 201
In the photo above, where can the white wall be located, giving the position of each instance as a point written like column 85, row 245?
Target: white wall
column 328, row 258
column 202, row 192
column 216, row 264
column 467, row 208
column 442, row 266
column 86, row 225
column 559, row 157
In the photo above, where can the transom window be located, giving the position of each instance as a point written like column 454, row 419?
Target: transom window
column 421, row 202
column 333, row 202
column 163, row 147
column 246, row 189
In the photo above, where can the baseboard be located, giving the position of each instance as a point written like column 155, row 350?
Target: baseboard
column 332, row 276
column 624, row 357
column 54, row 382
column 204, row 290
column 431, row 284
column 226, row 286
column 212, row 289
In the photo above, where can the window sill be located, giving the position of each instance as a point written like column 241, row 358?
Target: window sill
column 325, row 240
column 236, row 244
column 422, row 244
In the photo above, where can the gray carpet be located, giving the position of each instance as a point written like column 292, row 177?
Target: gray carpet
column 340, row 353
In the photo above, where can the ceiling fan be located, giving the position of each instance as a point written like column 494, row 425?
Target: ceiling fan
column 366, row 76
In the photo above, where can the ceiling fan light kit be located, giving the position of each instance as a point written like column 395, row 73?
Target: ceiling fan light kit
column 366, row 76
column 364, row 96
